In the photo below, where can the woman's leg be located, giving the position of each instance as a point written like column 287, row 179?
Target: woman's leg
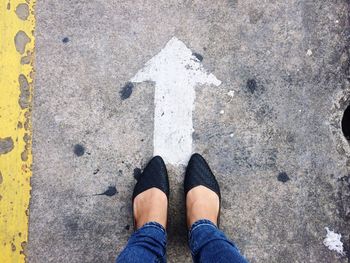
column 209, row 244
column 147, row 244
column 150, row 206
column 206, row 241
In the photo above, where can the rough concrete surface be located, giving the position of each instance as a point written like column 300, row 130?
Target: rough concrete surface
column 276, row 145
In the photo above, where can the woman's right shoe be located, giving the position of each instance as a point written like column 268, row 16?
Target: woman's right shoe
column 154, row 175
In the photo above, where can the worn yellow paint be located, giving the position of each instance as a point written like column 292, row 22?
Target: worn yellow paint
column 15, row 124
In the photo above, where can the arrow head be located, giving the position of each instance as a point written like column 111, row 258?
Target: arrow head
column 175, row 63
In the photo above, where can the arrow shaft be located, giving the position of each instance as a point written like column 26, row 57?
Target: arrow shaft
column 174, row 103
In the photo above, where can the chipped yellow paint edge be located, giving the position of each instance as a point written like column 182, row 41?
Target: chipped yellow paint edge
column 17, row 23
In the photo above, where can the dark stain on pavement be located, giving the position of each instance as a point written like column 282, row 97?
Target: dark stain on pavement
column 232, row 3
column 127, row 227
column 79, row 150
column 198, row 56
column 6, row 145
column 137, row 173
column 264, row 113
column 111, row 191
column 251, row 85
column 290, row 138
column 255, row 15
column 65, row 40
column 283, row 177
column 195, row 136
column 126, row 91
column 72, row 224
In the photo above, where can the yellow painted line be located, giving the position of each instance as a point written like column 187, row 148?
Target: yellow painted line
column 17, row 23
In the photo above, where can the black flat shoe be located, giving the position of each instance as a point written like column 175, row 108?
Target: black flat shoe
column 154, row 175
column 199, row 173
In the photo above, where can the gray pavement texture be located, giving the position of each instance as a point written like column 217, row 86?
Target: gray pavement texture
column 278, row 150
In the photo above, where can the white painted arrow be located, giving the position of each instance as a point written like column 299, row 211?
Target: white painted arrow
column 175, row 71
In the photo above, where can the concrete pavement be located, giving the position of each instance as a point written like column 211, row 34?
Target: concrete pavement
column 271, row 131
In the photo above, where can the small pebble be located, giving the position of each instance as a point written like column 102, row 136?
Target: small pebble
column 231, row 135
column 309, row 52
column 222, row 112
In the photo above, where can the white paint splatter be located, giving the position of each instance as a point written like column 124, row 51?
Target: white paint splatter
column 222, row 112
column 309, row 52
column 231, row 135
column 175, row 71
column 332, row 241
column 231, row 93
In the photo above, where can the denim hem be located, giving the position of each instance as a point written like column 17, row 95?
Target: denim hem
column 201, row 222
column 146, row 244
column 153, row 224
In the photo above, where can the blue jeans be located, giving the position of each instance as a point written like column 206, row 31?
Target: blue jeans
column 206, row 241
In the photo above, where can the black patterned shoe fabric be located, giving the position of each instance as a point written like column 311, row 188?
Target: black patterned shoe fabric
column 198, row 173
column 154, row 175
